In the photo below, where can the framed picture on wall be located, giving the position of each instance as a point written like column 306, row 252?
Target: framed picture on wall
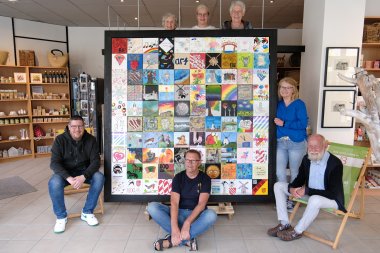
column 335, row 101
column 340, row 60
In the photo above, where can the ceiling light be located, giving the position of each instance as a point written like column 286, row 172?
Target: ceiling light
column 122, row 1
column 136, row 18
column 12, row 0
column 271, row 1
column 197, row 1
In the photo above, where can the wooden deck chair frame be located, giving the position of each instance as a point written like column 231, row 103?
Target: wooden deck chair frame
column 359, row 186
column 68, row 190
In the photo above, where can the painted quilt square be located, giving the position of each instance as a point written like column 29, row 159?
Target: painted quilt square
column 229, row 61
column 150, row 76
column 119, row 45
column 181, row 108
column 229, row 92
column 166, row 171
column 245, row 124
column 166, row 76
column 213, row 61
column 245, row 108
column 181, row 92
column 135, row 77
column 135, row 61
column 229, row 108
column 150, row 45
column 182, row 76
column 261, row 61
column 166, row 92
column 150, row 92
column 213, row 76
column 150, row 61
column 245, row 76
column 245, row 60
column 244, row 171
column 197, row 60
column 214, row 108
column 181, row 61
column 213, row 92
column 229, row 124
column 135, row 46
column 166, row 108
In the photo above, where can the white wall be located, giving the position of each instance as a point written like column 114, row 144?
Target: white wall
column 31, row 29
column 340, row 24
column 6, row 39
column 372, row 8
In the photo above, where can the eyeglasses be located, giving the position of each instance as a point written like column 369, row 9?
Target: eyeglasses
column 202, row 14
column 286, row 88
column 77, row 127
column 191, row 161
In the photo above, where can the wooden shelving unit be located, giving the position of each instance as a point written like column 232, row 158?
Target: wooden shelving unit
column 16, row 95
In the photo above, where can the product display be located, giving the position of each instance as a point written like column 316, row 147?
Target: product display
column 28, row 103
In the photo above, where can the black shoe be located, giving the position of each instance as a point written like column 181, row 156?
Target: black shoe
column 193, row 244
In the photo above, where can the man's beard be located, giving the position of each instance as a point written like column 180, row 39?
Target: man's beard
column 315, row 156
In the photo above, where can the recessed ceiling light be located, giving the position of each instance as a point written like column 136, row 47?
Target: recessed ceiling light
column 271, row 1
column 12, row 0
column 136, row 18
column 197, row 1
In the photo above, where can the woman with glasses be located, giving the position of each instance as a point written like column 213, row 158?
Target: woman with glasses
column 237, row 11
column 187, row 217
column 202, row 15
column 291, row 122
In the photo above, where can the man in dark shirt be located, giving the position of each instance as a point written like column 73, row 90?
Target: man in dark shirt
column 75, row 160
column 187, row 216
column 319, row 179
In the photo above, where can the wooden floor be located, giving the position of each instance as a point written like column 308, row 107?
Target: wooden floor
column 26, row 225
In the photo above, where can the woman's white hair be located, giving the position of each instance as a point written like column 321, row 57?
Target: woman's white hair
column 237, row 3
column 168, row 15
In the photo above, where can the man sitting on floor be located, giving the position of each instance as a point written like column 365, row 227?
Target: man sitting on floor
column 320, row 179
column 187, row 217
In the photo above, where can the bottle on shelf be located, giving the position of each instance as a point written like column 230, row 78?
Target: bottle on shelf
column 54, row 80
column 45, row 77
column 50, row 77
column 64, row 77
column 60, row 76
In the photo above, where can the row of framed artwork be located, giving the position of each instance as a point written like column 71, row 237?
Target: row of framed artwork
column 339, row 60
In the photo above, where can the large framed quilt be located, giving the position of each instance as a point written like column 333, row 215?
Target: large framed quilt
column 170, row 91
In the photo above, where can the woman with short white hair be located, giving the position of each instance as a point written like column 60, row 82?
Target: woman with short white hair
column 237, row 11
column 169, row 21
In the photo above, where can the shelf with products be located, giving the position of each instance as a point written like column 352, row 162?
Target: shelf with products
column 371, row 46
column 24, row 91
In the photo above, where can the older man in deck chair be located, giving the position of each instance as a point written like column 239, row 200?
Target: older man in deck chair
column 320, row 179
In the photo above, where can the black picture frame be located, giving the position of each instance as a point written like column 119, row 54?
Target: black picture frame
column 342, row 60
column 333, row 102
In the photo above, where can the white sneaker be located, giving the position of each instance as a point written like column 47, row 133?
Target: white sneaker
column 60, row 225
column 89, row 218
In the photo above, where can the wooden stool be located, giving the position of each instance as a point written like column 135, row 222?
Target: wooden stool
column 85, row 188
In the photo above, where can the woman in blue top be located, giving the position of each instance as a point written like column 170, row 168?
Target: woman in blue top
column 291, row 121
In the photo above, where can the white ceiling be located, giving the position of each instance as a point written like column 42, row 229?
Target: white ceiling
column 94, row 13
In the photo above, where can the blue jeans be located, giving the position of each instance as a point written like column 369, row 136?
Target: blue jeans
column 57, row 183
column 161, row 215
column 292, row 152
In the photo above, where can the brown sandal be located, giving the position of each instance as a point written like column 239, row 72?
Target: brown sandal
column 288, row 235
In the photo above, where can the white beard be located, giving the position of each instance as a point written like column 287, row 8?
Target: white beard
column 313, row 156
